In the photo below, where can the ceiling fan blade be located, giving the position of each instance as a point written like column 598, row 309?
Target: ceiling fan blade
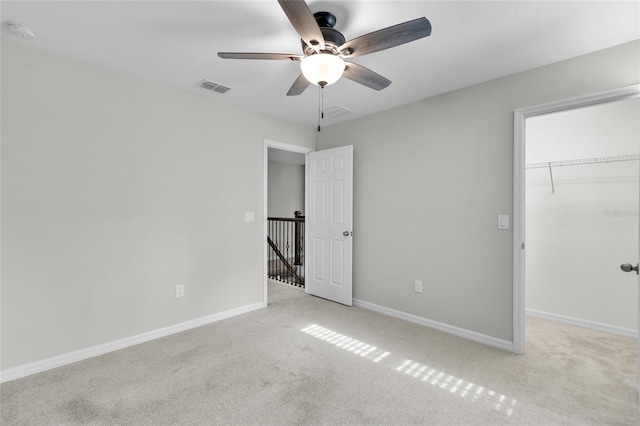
column 365, row 76
column 304, row 22
column 298, row 86
column 386, row 38
column 272, row 56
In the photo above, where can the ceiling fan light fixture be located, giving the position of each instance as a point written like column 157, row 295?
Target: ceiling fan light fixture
column 322, row 69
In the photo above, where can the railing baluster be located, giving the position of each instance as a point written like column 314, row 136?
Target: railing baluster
column 279, row 244
column 273, row 269
column 270, row 251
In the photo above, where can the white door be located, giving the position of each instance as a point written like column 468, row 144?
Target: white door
column 329, row 236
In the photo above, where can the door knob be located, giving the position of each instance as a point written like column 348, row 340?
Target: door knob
column 345, row 233
column 628, row 268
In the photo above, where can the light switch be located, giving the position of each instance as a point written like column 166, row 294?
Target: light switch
column 503, row 221
column 249, row 217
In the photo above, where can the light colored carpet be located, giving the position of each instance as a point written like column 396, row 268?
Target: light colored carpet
column 307, row 361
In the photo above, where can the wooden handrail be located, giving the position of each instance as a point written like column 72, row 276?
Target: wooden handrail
column 287, row 219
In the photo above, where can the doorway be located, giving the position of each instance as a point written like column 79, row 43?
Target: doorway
column 581, row 209
column 284, row 194
column 329, row 201
column 286, row 218
column 521, row 118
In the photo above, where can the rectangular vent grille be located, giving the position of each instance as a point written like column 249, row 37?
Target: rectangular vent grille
column 214, row 87
column 336, row 111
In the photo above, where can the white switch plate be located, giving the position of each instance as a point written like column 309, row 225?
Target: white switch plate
column 417, row 286
column 503, row 221
column 249, row 217
column 179, row 290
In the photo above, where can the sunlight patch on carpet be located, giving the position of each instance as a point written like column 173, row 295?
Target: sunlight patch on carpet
column 458, row 386
column 432, row 376
column 347, row 343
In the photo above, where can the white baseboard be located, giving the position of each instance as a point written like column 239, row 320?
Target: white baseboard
column 93, row 351
column 446, row 328
column 621, row 331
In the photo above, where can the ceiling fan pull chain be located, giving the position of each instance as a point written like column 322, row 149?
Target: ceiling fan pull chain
column 320, row 94
column 322, row 103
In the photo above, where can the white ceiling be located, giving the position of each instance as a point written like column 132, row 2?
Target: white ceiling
column 176, row 43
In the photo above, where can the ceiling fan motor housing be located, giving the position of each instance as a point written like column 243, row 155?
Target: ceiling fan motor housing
column 325, row 19
column 333, row 38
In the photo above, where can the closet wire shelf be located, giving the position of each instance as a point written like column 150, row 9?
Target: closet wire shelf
column 582, row 161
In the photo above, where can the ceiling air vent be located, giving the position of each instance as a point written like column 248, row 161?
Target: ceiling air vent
column 336, row 111
column 214, row 87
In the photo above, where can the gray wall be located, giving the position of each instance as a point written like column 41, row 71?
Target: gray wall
column 114, row 190
column 430, row 179
column 286, row 189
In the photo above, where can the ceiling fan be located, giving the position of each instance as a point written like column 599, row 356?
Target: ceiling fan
column 324, row 48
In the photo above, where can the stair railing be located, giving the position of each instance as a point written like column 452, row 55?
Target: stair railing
column 285, row 237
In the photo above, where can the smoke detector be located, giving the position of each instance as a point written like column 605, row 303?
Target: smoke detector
column 20, row 30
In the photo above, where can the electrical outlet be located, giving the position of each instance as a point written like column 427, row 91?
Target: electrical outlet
column 179, row 290
column 417, row 286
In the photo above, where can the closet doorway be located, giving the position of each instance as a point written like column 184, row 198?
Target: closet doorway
column 579, row 172
column 581, row 210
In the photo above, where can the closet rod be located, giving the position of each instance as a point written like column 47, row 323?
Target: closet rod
column 582, row 161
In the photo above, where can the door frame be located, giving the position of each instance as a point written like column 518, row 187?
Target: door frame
column 520, row 117
column 265, row 181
